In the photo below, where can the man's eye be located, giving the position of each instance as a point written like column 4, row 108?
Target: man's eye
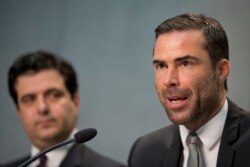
column 27, row 99
column 159, row 66
column 55, row 94
column 185, row 63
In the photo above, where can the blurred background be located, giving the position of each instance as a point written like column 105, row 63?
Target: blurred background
column 110, row 45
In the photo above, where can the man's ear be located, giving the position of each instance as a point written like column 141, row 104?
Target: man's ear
column 223, row 70
column 76, row 99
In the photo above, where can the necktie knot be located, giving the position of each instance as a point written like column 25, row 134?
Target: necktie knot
column 192, row 138
column 42, row 161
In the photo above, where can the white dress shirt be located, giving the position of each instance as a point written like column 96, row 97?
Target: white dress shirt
column 210, row 135
column 55, row 157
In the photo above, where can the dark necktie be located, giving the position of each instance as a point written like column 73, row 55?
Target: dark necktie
column 42, row 161
column 194, row 157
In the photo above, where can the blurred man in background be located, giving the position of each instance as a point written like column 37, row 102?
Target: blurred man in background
column 45, row 91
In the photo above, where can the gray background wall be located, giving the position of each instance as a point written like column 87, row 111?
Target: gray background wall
column 110, row 44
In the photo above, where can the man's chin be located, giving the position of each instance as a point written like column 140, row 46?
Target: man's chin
column 180, row 118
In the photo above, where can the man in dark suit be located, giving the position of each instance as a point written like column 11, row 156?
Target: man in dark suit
column 191, row 63
column 45, row 91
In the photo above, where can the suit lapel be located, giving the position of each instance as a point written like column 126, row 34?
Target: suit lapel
column 229, row 136
column 174, row 149
column 72, row 158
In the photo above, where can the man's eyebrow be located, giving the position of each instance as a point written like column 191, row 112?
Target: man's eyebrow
column 26, row 95
column 51, row 90
column 157, row 61
column 186, row 57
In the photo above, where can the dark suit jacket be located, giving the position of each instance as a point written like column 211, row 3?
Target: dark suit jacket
column 79, row 156
column 163, row 148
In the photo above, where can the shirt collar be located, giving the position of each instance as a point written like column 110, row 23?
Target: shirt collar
column 54, row 157
column 211, row 132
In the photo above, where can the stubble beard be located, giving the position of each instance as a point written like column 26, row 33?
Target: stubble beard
column 204, row 107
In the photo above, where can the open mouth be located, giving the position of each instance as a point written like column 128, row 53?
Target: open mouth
column 176, row 99
column 176, row 102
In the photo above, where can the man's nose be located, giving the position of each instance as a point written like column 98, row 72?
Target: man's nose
column 42, row 105
column 171, row 77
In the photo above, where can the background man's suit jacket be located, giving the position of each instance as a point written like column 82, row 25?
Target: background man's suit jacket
column 163, row 148
column 79, row 156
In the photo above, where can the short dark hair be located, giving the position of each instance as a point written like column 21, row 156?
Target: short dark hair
column 216, row 39
column 38, row 61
